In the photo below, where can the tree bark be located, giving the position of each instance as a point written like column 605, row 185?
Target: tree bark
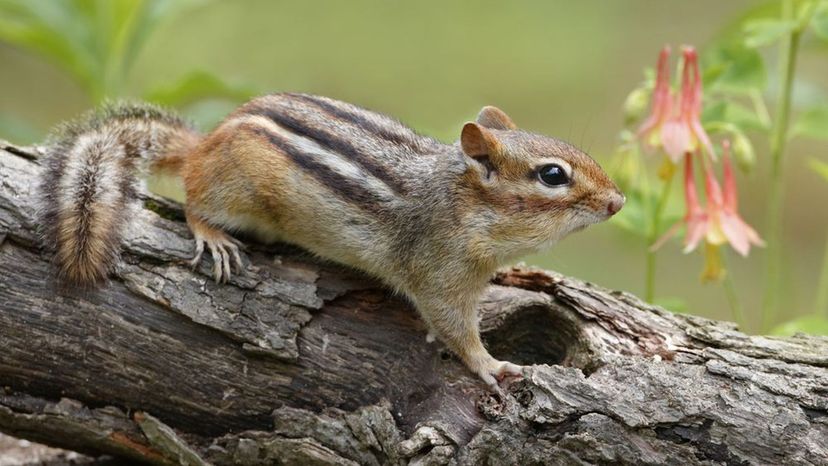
column 306, row 362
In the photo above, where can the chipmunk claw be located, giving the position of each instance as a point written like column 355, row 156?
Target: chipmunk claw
column 495, row 372
column 223, row 248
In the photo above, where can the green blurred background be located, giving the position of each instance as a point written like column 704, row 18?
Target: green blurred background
column 562, row 68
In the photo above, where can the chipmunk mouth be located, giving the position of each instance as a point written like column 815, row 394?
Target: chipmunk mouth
column 587, row 216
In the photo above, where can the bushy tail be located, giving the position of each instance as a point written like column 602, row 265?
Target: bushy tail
column 89, row 183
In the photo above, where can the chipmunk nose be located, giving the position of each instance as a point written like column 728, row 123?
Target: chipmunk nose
column 616, row 203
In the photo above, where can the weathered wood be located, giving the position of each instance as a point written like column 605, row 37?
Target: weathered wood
column 305, row 362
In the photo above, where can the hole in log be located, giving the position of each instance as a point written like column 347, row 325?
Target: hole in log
column 536, row 335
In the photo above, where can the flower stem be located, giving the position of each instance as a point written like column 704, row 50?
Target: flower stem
column 736, row 309
column 822, row 287
column 658, row 213
column 760, row 108
column 778, row 139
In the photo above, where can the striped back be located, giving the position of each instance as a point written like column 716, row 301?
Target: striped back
column 363, row 156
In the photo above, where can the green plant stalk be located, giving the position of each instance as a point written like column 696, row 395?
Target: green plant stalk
column 736, row 309
column 658, row 213
column 821, row 304
column 779, row 136
column 761, row 109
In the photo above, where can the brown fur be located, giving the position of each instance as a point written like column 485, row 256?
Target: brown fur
column 436, row 236
column 88, row 186
column 494, row 118
column 431, row 220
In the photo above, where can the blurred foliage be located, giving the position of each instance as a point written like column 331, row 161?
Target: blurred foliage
column 820, row 21
column 22, row 130
column 731, row 67
column 813, row 122
column 820, row 167
column 813, row 324
column 98, row 41
column 736, row 79
column 197, row 86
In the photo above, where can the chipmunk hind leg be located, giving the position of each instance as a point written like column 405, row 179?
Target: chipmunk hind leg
column 222, row 248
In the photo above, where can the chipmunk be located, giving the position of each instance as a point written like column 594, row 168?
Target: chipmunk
column 431, row 220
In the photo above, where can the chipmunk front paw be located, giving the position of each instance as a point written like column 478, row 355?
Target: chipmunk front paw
column 493, row 372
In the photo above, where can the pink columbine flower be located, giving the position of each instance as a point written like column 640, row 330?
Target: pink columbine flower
column 725, row 223
column 719, row 222
column 675, row 120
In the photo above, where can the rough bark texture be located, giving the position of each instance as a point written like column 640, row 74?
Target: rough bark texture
column 306, row 363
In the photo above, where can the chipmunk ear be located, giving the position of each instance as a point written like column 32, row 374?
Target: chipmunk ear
column 481, row 145
column 495, row 118
column 477, row 141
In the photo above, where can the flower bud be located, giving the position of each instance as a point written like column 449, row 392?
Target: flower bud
column 743, row 152
column 635, row 105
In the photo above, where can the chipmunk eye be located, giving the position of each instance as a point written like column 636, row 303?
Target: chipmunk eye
column 553, row 175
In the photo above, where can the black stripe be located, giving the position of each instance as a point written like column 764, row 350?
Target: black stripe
column 347, row 188
column 332, row 143
column 362, row 122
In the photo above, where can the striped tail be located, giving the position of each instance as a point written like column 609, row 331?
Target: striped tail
column 89, row 183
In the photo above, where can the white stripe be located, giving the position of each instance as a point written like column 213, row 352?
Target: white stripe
column 332, row 160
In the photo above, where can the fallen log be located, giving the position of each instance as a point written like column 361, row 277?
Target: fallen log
column 306, row 362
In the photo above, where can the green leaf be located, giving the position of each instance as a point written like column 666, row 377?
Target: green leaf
column 146, row 21
column 734, row 68
column 820, row 167
column 60, row 31
column 636, row 104
column 766, row 31
column 733, row 26
column 636, row 216
column 812, row 324
column 812, row 123
column 124, row 26
column 819, row 23
column 196, row 86
column 743, row 152
column 95, row 41
column 724, row 111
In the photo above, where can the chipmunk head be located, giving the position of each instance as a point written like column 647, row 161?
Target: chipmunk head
column 543, row 188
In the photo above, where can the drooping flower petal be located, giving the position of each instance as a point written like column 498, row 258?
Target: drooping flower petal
column 662, row 101
column 753, row 237
column 726, row 225
column 696, row 229
column 731, row 201
column 694, row 218
column 701, row 135
column 733, row 229
column 712, row 188
column 692, row 86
